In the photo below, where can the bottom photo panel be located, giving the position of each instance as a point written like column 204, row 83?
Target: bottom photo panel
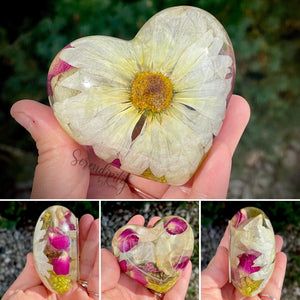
column 150, row 250
column 69, row 250
column 250, row 250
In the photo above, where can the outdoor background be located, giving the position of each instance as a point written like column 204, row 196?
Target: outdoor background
column 266, row 38
column 17, row 223
column 115, row 215
column 285, row 219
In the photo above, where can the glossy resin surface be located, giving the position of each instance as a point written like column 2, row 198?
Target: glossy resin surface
column 151, row 105
column 251, row 250
column 156, row 256
column 55, row 248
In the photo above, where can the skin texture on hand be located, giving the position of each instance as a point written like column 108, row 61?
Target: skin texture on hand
column 116, row 285
column 214, row 279
column 65, row 169
column 28, row 285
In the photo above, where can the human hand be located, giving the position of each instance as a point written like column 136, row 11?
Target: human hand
column 68, row 170
column 28, row 285
column 116, row 285
column 214, row 279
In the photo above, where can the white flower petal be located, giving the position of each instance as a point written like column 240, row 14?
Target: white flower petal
column 165, row 37
column 100, row 116
column 174, row 155
column 105, row 59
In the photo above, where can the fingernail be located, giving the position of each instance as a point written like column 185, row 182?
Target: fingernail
column 23, row 120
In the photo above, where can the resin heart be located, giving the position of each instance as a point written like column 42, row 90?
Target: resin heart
column 251, row 251
column 151, row 105
column 55, row 248
column 156, row 256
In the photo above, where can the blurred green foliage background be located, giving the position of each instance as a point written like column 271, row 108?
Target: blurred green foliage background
column 264, row 33
column 16, row 214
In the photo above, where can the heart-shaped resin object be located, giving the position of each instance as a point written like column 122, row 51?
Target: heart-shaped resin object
column 251, row 251
column 151, row 105
column 55, row 248
column 156, row 256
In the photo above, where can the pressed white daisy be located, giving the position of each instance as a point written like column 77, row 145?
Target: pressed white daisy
column 153, row 103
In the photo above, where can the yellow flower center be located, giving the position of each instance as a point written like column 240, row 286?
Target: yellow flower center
column 152, row 91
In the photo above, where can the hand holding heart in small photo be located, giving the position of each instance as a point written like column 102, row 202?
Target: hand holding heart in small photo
column 28, row 286
column 215, row 278
column 117, row 285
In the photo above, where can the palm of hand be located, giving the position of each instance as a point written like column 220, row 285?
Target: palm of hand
column 64, row 166
column 116, row 285
column 214, row 279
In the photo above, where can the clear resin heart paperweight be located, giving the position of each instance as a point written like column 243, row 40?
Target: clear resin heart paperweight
column 55, row 248
column 251, row 251
column 156, row 256
column 151, row 105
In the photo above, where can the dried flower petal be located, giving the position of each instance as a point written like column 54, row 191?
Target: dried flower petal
column 61, row 265
column 128, row 239
column 59, row 241
column 138, row 276
column 182, row 263
column 176, row 226
column 247, row 262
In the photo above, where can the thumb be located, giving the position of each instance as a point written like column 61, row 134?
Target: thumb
column 216, row 273
column 58, row 173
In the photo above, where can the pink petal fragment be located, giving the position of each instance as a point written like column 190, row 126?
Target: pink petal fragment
column 246, row 263
column 139, row 277
column 239, row 218
column 61, row 265
column 128, row 239
column 176, row 226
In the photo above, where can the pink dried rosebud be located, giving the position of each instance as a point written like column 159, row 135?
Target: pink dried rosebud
column 247, row 261
column 59, row 241
column 61, row 265
column 128, row 239
column 176, row 226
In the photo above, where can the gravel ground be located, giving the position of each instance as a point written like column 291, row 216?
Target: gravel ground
column 15, row 244
column 117, row 214
column 211, row 237
column 262, row 175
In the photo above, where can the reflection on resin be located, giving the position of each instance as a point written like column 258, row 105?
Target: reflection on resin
column 55, row 248
column 252, row 251
column 156, row 256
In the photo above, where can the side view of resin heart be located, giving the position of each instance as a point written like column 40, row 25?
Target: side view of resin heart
column 156, row 256
column 151, row 105
column 251, row 251
column 55, row 248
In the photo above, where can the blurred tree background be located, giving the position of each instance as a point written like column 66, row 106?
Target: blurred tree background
column 266, row 39
column 17, row 214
